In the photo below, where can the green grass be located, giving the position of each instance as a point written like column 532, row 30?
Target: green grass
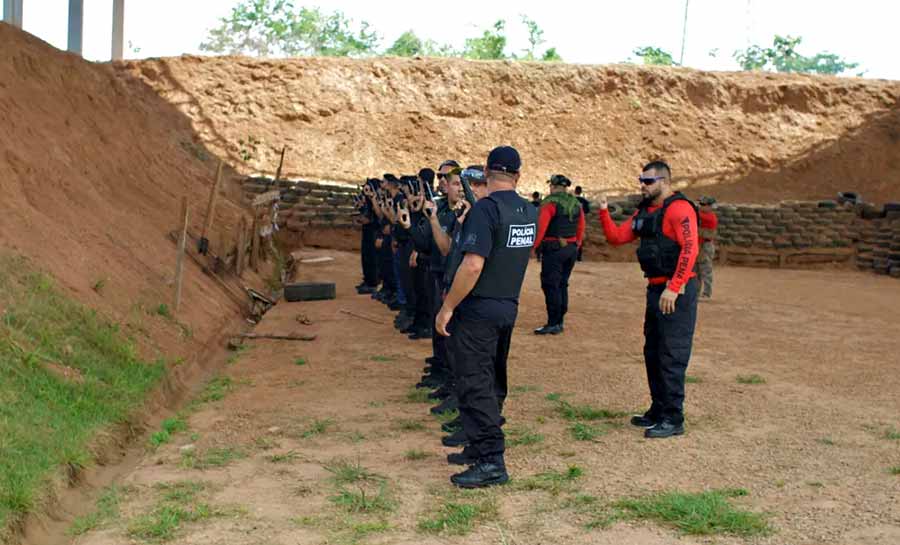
column 518, row 436
column 690, row 379
column 318, row 427
column 99, row 285
column 365, row 500
column 458, row 518
column 894, row 470
column 524, row 389
column 169, row 427
column 288, row 456
column 826, row 441
column 585, row 412
column 410, row 425
column 418, row 395
column 178, row 504
column 216, row 389
column 415, row 454
column 585, row 432
column 706, row 513
column 382, row 359
column 211, row 458
column 553, row 482
column 553, row 396
column 750, row 379
column 892, row 434
column 48, row 420
column 346, row 472
column 447, row 416
column 300, row 361
column 163, row 310
column 107, row 510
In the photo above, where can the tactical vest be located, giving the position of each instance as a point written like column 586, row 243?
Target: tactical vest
column 561, row 226
column 657, row 254
column 504, row 269
column 455, row 257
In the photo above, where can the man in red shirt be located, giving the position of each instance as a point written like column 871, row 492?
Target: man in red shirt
column 666, row 224
column 709, row 224
column 559, row 237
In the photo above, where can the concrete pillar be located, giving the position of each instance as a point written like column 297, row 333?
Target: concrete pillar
column 76, row 26
column 12, row 12
column 118, row 30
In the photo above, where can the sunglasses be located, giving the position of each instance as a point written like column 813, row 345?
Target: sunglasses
column 650, row 180
column 473, row 175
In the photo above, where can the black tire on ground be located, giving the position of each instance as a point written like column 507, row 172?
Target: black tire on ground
column 309, row 291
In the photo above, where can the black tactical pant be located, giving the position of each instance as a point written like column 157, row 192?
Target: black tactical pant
column 479, row 352
column 556, row 267
column 668, row 339
column 438, row 341
column 422, row 288
column 369, row 256
column 386, row 258
column 404, row 250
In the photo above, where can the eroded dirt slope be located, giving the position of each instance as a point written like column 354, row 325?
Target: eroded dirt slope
column 764, row 137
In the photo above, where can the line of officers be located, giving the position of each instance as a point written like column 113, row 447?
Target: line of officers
column 451, row 261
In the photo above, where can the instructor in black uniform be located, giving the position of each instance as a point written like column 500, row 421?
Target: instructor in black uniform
column 480, row 310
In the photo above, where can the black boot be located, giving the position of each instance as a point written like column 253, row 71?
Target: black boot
column 456, row 439
column 464, row 458
column 452, row 427
column 487, row 471
column 548, row 330
column 449, row 404
column 664, row 428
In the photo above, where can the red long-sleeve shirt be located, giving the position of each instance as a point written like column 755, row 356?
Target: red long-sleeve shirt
column 679, row 224
column 708, row 220
column 546, row 216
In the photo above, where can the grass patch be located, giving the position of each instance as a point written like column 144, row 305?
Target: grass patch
column 169, row 427
column 211, row 458
column 365, row 499
column 65, row 374
column 525, row 388
column 585, row 432
column 163, row 310
column 415, row 454
column 826, row 441
column 410, row 425
column 318, row 427
column 216, row 389
column 690, row 379
column 516, row 437
column 750, row 379
column 300, row 361
column 376, row 404
column 178, row 504
column 553, row 396
column 458, row 517
column 382, row 359
column 553, row 482
column 894, row 470
column 447, row 416
column 287, row 457
column 585, row 412
column 418, row 395
column 892, row 434
column 107, row 510
column 99, row 285
column 345, row 472
column 705, row 513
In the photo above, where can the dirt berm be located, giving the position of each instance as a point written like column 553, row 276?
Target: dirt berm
column 752, row 137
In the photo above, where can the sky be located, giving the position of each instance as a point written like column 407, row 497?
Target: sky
column 590, row 32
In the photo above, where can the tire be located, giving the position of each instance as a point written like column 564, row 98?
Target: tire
column 309, row 291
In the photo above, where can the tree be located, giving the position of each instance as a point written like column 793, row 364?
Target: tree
column 655, row 56
column 783, row 57
column 536, row 39
column 551, row 55
column 407, row 45
column 274, row 27
column 489, row 45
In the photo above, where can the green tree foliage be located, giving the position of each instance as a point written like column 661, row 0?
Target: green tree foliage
column 535, row 40
column 783, row 57
column 488, row 46
column 655, row 56
column 275, row 27
column 407, row 45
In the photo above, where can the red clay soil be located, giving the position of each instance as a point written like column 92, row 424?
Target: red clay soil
column 745, row 137
column 93, row 165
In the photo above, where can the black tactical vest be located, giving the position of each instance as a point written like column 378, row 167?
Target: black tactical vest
column 561, row 226
column 504, row 269
column 657, row 254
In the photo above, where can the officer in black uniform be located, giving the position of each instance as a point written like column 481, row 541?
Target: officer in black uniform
column 370, row 227
column 560, row 235
column 480, row 310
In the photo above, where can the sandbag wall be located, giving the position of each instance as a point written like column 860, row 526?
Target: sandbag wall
column 304, row 205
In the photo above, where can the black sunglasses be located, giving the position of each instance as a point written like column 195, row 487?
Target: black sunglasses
column 650, row 180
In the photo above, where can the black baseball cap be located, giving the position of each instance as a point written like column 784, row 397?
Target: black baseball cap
column 426, row 175
column 390, row 178
column 559, row 179
column 504, row 159
column 449, row 163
